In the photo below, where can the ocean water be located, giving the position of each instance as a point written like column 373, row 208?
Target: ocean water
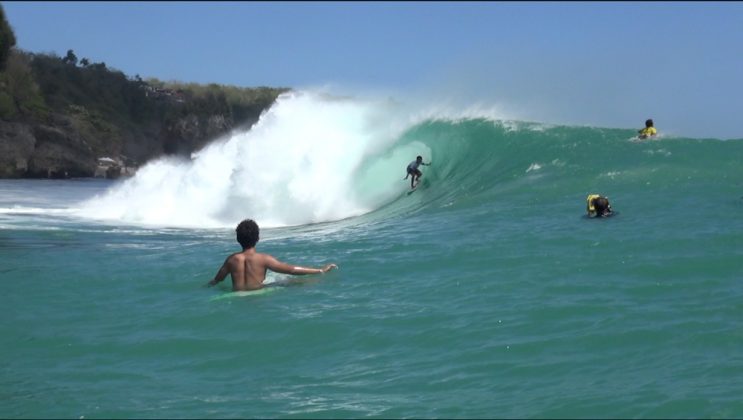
column 484, row 293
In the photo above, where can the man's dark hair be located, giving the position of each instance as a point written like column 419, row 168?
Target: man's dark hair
column 247, row 233
column 649, row 123
column 418, row 158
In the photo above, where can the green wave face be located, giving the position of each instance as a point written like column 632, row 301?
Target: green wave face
column 313, row 160
column 479, row 160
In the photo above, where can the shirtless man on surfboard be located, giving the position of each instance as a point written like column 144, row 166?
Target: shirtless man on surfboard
column 248, row 268
column 413, row 170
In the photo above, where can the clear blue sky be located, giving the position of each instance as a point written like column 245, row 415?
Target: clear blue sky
column 611, row 64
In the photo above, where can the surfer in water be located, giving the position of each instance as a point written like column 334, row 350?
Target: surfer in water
column 248, row 268
column 598, row 206
column 648, row 131
column 413, row 170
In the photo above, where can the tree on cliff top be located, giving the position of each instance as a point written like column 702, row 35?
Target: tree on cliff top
column 7, row 39
column 70, row 58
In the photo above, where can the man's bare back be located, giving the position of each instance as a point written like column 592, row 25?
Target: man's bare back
column 248, row 268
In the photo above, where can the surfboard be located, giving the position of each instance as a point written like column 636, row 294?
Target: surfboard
column 638, row 139
column 422, row 182
column 244, row 293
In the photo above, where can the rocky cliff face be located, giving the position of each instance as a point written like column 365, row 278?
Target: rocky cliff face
column 191, row 133
column 17, row 144
column 60, row 117
column 43, row 152
column 59, row 153
column 69, row 147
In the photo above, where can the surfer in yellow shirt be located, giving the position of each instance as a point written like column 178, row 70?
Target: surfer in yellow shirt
column 598, row 206
column 248, row 268
column 648, row 131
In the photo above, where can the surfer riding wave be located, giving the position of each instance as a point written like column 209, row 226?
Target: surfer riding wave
column 413, row 170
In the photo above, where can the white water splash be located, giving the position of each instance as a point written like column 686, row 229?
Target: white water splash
column 311, row 158
column 297, row 165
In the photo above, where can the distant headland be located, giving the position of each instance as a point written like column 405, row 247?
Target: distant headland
column 64, row 117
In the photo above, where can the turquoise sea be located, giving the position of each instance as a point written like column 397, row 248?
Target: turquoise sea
column 485, row 293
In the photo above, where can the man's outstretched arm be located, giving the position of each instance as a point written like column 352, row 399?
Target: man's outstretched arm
column 275, row 265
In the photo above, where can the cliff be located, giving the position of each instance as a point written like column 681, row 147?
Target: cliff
column 58, row 116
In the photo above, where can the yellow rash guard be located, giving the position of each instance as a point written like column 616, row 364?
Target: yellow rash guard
column 589, row 203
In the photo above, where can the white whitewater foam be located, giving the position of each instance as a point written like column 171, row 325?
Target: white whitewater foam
column 310, row 158
column 297, row 165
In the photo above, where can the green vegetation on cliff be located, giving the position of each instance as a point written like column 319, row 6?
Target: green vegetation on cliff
column 7, row 38
column 59, row 114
